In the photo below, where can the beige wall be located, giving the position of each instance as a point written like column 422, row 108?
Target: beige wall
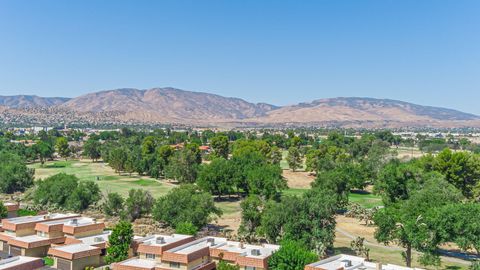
column 87, row 233
column 158, row 258
column 35, row 252
column 80, row 264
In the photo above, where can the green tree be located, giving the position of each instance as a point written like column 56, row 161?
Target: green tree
column 220, row 146
column 292, row 255
column 266, row 180
column 117, row 159
column 62, row 147
column 119, row 242
column 91, row 149
column 84, row 195
column 113, row 205
column 163, row 155
column 404, row 222
column 14, row 174
column 396, row 179
column 139, row 203
column 461, row 169
column 183, row 166
column 217, row 177
column 185, row 204
column 458, row 223
column 252, row 208
column 3, row 211
column 222, row 265
column 55, row 190
column 43, row 151
column 309, row 219
column 294, row 158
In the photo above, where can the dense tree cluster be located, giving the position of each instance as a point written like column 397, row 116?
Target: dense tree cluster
column 66, row 191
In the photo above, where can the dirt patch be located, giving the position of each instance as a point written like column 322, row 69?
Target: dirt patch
column 298, row 179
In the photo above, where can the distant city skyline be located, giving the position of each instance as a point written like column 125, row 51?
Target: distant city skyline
column 278, row 52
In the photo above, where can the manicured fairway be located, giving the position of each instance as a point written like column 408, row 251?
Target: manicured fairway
column 108, row 180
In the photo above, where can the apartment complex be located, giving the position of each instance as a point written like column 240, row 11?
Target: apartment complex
column 85, row 244
column 348, row 262
column 150, row 251
column 164, row 253
column 248, row 257
column 21, row 238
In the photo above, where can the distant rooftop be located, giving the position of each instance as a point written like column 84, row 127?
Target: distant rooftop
column 349, row 262
column 39, row 218
column 197, row 245
column 95, row 239
column 162, row 240
column 247, row 250
column 74, row 248
column 141, row 263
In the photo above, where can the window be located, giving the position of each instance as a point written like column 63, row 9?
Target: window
column 249, row 268
column 175, row 265
column 150, row 256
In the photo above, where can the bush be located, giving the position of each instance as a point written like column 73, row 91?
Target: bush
column 186, row 228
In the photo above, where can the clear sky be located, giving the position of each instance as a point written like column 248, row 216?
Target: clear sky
column 281, row 52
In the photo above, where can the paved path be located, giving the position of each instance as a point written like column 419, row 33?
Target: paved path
column 455, row 257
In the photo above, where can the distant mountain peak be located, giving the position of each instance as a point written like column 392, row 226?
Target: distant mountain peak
column 172, row 105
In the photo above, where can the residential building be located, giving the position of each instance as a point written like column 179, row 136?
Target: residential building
column 348, row 262
column 21, row 263
column 75, row 256
column 150, row 251
column 52, row 232
column 193, row 255
column 248, row 257
column 25, row 226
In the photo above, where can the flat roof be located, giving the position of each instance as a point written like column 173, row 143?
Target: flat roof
column 39, row 218
column 75, row 248
column 16, row 261
column 30, row 238
column 162, row 239
column 80, row 221
column 95, row 239
column 247, row 250
column 197, row 245
column 141, row 263
column 349, row 262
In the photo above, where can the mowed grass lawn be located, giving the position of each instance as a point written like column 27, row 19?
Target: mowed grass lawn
column 108, row 180
column 366, row 199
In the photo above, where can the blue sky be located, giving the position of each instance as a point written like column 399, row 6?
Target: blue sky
column 281, row 52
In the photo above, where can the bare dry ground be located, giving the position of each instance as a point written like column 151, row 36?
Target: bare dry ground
column 298, row 179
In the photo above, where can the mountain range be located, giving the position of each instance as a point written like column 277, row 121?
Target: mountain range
column 175, row 106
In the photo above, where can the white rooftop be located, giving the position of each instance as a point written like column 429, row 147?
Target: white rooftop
column 197, row 245
column 141, row 263
column 15, row 261
column 27, row 219
column 30, row 238
column 253, row 251
column 162, row 240
column 96, row 239
column 349, row 262
column 74, row 248
column 80, row 221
